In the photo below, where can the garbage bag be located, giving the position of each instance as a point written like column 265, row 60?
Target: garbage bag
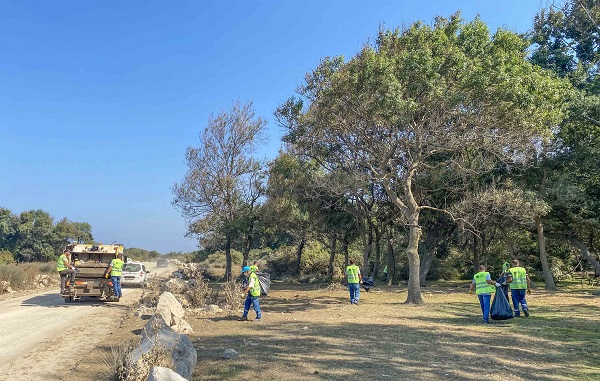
column 264, row 279
column 367, row 283
column 505, row 287
column 500, row 307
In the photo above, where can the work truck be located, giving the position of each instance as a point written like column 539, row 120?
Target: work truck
column 91, row 262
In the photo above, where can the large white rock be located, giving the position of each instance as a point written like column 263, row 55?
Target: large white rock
column 182, row 352
column 158, row 373
column 168, row 306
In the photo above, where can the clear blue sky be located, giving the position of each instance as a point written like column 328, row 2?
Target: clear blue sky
column 100, row 99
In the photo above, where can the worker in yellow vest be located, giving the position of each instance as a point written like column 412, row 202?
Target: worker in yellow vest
column 484, row 286
column 354, row 281
column 252, row 293
column 65, row 269
column 115, row 270
column 519, row 285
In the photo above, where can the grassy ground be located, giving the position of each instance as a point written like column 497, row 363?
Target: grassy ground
column 315, row 334
column 312, row 333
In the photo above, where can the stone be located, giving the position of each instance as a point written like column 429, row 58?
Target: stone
column 159, row 373
column 230, row 354
column 168, row 306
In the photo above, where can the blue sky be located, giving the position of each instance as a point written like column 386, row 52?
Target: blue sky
column 100, row 99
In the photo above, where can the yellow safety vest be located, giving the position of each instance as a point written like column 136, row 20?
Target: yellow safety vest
column 519, row 276
column 352, row 272
column 117, row 267
column 255, row 290
column 60, row 265
column 481, row 286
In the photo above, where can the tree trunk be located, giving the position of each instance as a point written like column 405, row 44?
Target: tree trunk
column 228, row 257
column 475, row 254
column 391, row 263
column 367, row 247
column 377, row 253
column 345, row 245
column 429, row 250
column 299, row 254
column 583, row 249
column 248, row 244
column 332, row 257
column 412, row 252
column 585, row 253
column 548, row 278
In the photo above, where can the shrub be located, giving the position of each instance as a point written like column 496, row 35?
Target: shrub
column 6, row 257
column 217, row 259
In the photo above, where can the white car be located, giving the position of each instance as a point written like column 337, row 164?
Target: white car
column 134, row 274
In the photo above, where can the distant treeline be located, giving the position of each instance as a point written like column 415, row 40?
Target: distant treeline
column 34, row 236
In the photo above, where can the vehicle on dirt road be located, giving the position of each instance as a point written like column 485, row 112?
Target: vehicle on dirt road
column 134, row 274
column 91, row 262
column 162, row 262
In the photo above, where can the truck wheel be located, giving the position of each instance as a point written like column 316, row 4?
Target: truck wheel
column 68, row 299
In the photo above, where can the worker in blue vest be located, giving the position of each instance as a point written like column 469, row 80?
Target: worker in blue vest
column 484, row 286
column 519, row 285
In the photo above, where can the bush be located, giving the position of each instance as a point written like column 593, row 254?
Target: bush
column 6, row 257
column 25, row 276
column 217, row 259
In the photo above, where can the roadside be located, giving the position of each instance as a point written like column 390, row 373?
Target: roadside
column 311, row 332
column 44, row 338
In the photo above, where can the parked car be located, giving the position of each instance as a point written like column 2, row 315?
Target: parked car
column 134, row 274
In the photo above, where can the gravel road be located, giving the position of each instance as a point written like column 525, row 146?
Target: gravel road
column 42, row 337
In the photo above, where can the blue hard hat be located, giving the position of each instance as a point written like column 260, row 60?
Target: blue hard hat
column 246, row 268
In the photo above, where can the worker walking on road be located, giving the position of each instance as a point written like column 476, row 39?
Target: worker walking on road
column 65, row 269
column 252, row 292
column 484, row 286
column 354, row 281
column 115, row 269
column 519, row 284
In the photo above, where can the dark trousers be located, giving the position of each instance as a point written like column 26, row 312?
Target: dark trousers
column 63, row 277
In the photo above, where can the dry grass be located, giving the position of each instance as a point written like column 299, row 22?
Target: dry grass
column 313, row 333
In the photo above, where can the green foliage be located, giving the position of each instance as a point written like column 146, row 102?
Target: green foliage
column 136, row 254
column 6, row 257
column 217, row 259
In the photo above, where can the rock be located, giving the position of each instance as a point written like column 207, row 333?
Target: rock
column 214, row 308
column 168, row 306
column 181, row 326
column 5, row 287
column 169, row 343
column 158, row 373
column 230, row 354
column 176, row 286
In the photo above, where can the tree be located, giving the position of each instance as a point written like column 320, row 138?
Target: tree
column 221, row 174
column 423, row 98
column 34, row 235
column 65, row 229
column 566, row 39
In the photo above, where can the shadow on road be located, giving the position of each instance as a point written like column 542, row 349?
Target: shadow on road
column 53, row 300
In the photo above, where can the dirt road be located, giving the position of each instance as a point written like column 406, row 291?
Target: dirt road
column 42, row 337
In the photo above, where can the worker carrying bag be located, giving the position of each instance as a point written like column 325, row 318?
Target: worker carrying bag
column 500, row 307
